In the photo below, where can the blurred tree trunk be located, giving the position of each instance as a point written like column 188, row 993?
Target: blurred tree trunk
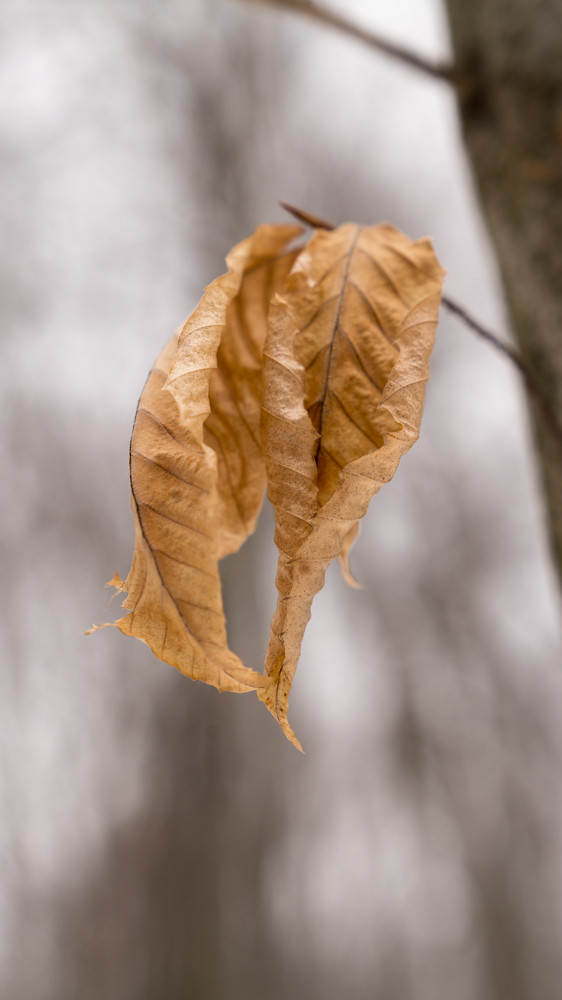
column 510, row 54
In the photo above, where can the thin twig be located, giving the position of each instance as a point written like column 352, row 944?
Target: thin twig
column 532, row 384
column 499, row 344
column 439, row 71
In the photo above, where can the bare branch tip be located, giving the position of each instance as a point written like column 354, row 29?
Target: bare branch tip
column 334, row 19
column 533, row 385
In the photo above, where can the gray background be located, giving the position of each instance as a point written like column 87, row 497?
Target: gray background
column 159, row 840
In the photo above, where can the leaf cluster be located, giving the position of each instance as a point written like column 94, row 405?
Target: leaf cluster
column 302, row 370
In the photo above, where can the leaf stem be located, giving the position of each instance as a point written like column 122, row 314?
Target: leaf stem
column 439, row 71
column 309, row 220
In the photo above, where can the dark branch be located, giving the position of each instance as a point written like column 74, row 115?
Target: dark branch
column 439, row 71
column 500, row 345
column 532, row 384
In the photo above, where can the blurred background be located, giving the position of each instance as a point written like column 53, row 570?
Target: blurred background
column 159, row 840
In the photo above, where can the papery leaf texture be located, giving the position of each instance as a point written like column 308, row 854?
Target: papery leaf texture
column 303, row 368
column 197, row 473
column 345, row 366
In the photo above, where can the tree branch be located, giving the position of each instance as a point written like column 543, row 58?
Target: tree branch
column 492, row 338
column 439, row 71
column 532, row 384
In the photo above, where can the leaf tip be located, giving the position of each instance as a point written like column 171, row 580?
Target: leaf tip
column 269, row 696
column 348, row 575
column 94, row 628
column 348, row 543
column 290, row 735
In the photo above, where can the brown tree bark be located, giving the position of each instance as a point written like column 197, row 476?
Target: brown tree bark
column 509, row 59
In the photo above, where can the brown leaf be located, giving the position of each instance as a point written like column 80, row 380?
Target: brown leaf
column 341, row 385
column 234, row 310
column 346, row 361
column 197, row 474
column 347, row 545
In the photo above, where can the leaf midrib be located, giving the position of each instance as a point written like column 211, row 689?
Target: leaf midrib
column 324, row 395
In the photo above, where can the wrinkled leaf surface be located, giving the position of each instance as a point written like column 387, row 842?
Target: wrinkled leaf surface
column 197, row 474
column 346, row 362
column 303, row 368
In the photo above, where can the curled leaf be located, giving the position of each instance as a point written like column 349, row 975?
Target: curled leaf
column 348, row 543
column 226, row 398
column 197, row 475
column 346, row 362
column 305, row 369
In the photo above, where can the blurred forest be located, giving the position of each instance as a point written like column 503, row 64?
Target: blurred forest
column 159, row 840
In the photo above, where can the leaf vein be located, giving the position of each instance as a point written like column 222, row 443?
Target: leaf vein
column 167, row 517
column 169, row 472
column 373, row 311
column 353, row 421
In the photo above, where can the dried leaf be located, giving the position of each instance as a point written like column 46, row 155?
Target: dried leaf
column 345, row 367
column 234, row 312
column 197, row 474
column 348, row 543
column 339, row 392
